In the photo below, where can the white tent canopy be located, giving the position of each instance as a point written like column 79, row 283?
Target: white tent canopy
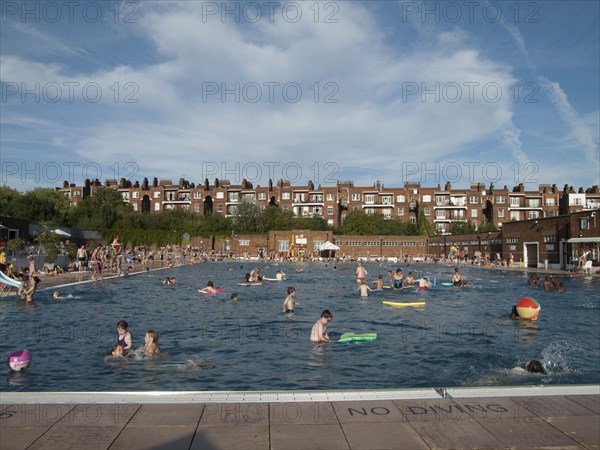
column 328, row 246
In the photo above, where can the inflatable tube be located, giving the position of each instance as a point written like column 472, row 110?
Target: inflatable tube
column 272, row 279
column 19, row 360
column 446, row 283
column 256, row 283
column 399, row 304
column 352, row 337
column 8, row 280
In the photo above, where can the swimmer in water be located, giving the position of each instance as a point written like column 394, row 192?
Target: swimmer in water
column 457, row 279
column 117, row 350
column 209, row 289
column 364, row 289
column 319, row 329
column 234, row 297
column 423, row 283
column 56, row 295
column 396, row 278
column 279, row 275
column 289, row 303
column 123, row 336
column 534, row 366
column 378, row 283
column 151, row 347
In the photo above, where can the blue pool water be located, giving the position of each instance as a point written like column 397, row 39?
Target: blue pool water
column 462, row 337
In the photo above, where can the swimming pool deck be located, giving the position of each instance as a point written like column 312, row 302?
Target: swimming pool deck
column 561, row 417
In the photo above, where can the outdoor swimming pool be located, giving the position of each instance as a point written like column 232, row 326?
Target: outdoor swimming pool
column 462, row 337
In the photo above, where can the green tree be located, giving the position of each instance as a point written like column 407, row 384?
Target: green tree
column 8, row 197
column 249, row 218
column 424, row 226
column 462, row 227
column 42, row 205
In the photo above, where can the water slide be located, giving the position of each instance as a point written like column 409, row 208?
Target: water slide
column 8, row 280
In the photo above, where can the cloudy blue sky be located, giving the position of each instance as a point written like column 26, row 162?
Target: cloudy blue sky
column 502, row 92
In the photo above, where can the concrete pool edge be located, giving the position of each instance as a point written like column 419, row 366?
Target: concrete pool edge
column 144, row 397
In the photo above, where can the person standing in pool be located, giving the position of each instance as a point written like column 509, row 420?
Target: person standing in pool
column 288, row 303
column 409, row 280
column 124, row 336
column 319, row 329
column 364, row 289
column 361, row 273
column 423, row 283
column 457, row 278
column 378, row 283
column 396, row 278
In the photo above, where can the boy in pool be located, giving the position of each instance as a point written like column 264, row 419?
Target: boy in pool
column 279, row 275
column 234, row 297
column 409, row 279
column 423, row 283
column 378, row 283
column 319, row 329
column 288, row 303
column 151, row 343
column 56, row 295
column 124, row 336
column 364, row 289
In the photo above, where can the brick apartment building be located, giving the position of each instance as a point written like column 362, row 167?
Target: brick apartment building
column 478, row 204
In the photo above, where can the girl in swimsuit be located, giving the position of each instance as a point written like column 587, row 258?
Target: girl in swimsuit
column 123, row 336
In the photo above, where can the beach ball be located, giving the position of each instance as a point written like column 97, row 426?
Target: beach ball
column 19, row 360
column 528, row 308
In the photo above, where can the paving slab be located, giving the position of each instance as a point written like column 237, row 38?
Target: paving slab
column 388, row 435
column 368, row 412
column 77, row 437
column 18, row 438
column 34, row 415
column 100, row 414
column 160, row 414
column 528, row 434
column 313, row 413
column 244, row 414
column 442, row 410
column 585, row 430
column 302, row 437
column 155, row 437
column 554, row 406
column 589, row 401
column 235, row 437
column 459, row 434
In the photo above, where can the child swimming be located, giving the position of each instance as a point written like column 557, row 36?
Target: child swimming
column 124, row 336
column 319, row 329
column 288, row 303
column 151, row 347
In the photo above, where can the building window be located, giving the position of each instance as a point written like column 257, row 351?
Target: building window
column 512, row 240
column 355, row 208
column 136, row 195
column 283, row 246
column 386, row 200
column 550, row 238
column 244, row 242
column 400, row 211
column 220, row 195
column 427, row 198
column 440, row 200
column 197, row 195
column 500, row 199
column 474, row 213
column 285, row 196
column 500, row 212
column 369, row 198
column 400, row 198
column 157, row 207
column 135, row 207
column 440, row 227
column 584, row 223
column 534, row 203
column 330, row 210
column 514, row 215
column 473, row 199
column 197, row 207
column 412, row 219
column 355, row 197
column 426, row 210
column 156, row 194
column 330, row 197
column 440, row 215
column 515, row 202
column 549, row 247
column 233, row 196
column 219, row 208
column 550, row 201
column 262, row 196
column 534, row 214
